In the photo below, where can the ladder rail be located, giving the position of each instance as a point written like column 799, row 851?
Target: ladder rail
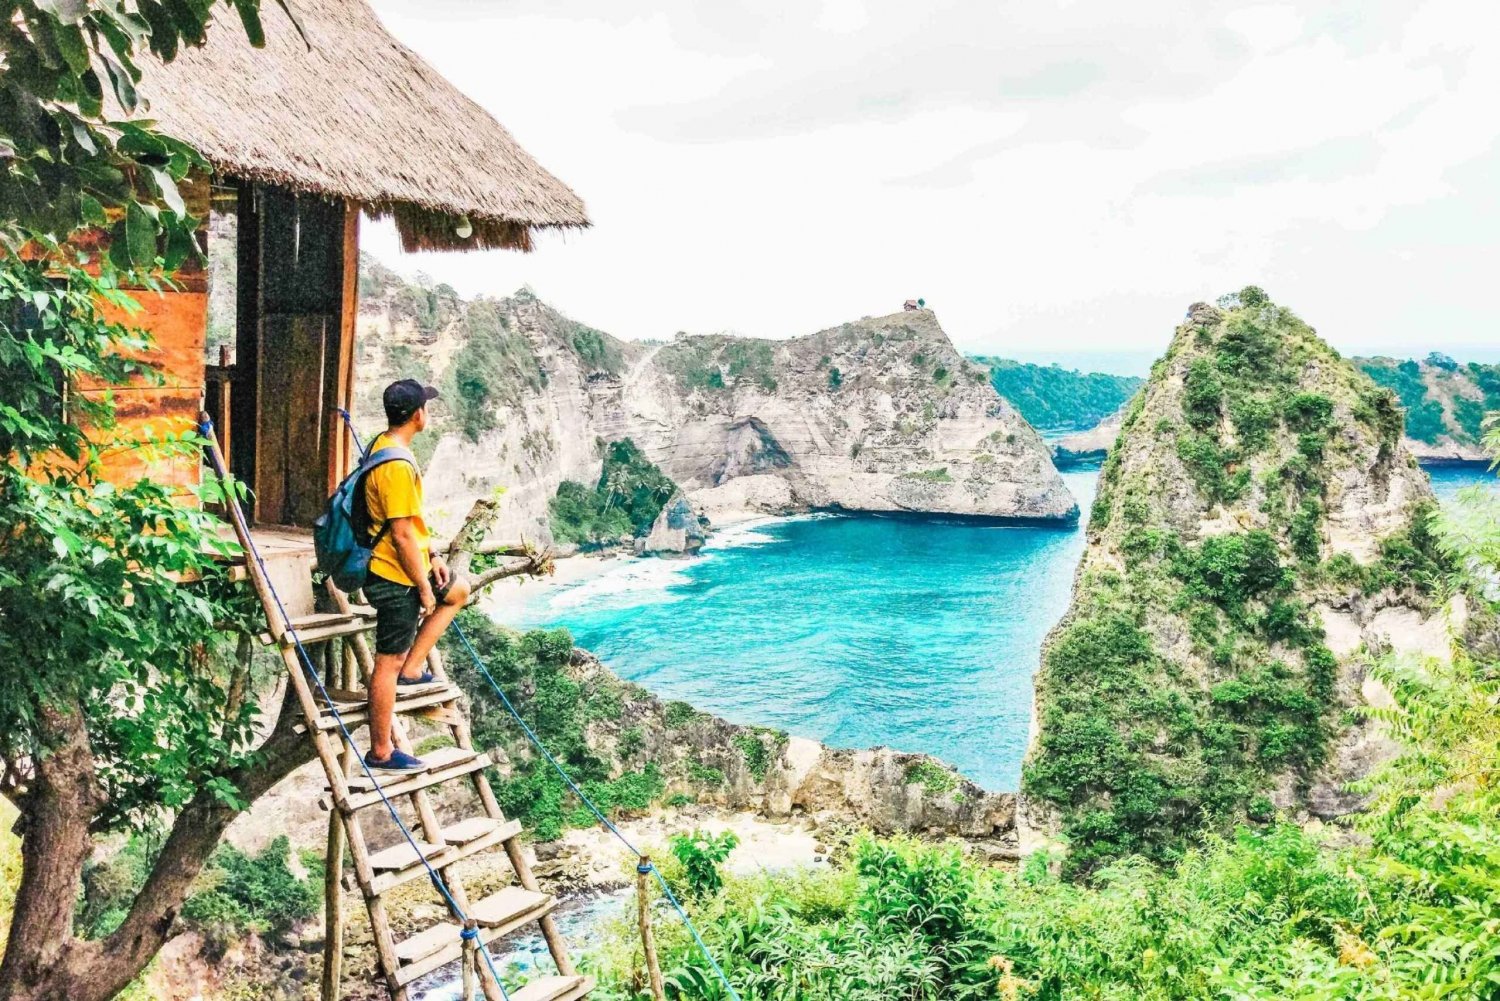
column 300, row 667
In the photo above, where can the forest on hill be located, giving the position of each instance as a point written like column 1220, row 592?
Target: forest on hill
column 1445, row 400
column 1051, row 397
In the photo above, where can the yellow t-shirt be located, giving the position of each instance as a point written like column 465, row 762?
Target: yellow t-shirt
column 394, row 490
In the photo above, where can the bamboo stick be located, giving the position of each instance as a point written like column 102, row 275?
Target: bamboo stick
column 643, row 917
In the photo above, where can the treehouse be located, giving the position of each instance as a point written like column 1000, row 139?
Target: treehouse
column 331, row 119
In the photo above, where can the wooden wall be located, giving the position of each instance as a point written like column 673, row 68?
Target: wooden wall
column 177, row 321
column 297, row 278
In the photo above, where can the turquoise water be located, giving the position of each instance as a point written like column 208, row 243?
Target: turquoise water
column 857, row 631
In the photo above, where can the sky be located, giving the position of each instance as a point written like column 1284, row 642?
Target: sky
column 1058, row 180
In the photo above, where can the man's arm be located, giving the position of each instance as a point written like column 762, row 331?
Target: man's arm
column 409, row 555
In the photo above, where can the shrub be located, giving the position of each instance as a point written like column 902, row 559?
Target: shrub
column 628, row 497
column 700, row 855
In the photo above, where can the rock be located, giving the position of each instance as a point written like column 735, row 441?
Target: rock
column 1257, row 439
column 1090, row 445
column 676, row 531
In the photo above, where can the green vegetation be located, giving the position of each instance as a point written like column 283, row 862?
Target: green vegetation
column 1442, row 398
column 236, row 894
column 494, row 367
column 1268, row 912
column 680, row 714
column 720, row 362
column 629, row 495
column 929, row 475
column 1138, row 750
column 933, row 777
column 243, row 894
column 132, row 653
column 700, row 855
column 532, row 669
column 1049, row 396
column 757, row 751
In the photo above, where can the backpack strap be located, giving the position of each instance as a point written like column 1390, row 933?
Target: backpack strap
column 391, row 453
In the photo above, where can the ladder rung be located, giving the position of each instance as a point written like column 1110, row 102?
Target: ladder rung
column 434, row 760
column 402, row 854
column 442, row 857
column 399, row 784
column 554, row 988
column 409, row 699
column 344, row 625
column 439, row 945
column 506, row 906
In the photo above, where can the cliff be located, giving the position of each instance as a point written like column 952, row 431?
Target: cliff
column 1259, row 528
column 1445, row 403
column 878, row 415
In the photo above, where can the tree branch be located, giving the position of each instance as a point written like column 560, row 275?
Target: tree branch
column 195, row 834
column 468, row 542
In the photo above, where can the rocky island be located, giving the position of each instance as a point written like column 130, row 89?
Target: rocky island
column 1259, row 527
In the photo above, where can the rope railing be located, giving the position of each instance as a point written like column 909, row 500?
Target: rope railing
column 206, row 428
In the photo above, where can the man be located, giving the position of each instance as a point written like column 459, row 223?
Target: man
column 414, row 595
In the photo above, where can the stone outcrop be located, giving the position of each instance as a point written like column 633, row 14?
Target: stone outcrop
column 677, row 531
column 1091, row 445
column 879, row 415
column 1259, row 534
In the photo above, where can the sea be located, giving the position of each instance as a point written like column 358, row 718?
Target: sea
column 918, row 634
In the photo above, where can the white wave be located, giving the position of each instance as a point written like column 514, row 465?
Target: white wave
column 633, row 582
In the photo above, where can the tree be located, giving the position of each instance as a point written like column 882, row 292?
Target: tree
column 121, row 702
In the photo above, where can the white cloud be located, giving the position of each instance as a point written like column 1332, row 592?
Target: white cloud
column 1065, row 177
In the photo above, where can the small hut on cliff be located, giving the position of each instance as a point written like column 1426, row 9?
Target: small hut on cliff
column 333, row 117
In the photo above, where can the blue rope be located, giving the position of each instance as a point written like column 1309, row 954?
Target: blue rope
column 206, row 428
column 641, row 866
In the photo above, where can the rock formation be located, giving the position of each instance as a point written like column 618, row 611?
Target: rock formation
column 677, row 531
column 879, row 415
column 777, row 776
column 1091, row 445
column 1259, row 528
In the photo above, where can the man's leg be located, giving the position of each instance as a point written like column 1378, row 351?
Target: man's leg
column 396, row 614
column 433, row 627
column 383, row 702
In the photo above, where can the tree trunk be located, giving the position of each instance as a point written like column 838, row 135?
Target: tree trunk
column 43, row 961
column 56, row 812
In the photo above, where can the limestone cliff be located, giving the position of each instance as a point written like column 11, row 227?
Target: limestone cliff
column 878, row 415
column 1258, row 526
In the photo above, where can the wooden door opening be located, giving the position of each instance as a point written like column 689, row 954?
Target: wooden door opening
column 296, row 266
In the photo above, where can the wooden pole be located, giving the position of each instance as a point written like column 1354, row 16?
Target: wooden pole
column 470, row 955
column 333, row 908
column 643, row 916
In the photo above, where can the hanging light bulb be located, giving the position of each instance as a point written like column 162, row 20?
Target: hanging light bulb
column 465, row 228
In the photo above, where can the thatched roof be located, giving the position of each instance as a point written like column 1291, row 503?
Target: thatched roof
column 350, row 112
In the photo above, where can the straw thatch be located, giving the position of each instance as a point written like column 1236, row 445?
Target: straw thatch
column 350, row 112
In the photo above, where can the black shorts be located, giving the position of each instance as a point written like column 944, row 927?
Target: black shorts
column 398, row 611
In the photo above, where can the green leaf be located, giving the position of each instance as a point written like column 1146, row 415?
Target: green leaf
column 66, row 11
column 168, row 189
column 123, row 86
column 74, row 49
column 250, row 18
column 140, row 235
column 91, row 102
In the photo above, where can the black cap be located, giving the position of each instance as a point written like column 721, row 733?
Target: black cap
column 405, row 397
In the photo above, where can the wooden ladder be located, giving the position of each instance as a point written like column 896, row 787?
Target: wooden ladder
column 337, row 640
